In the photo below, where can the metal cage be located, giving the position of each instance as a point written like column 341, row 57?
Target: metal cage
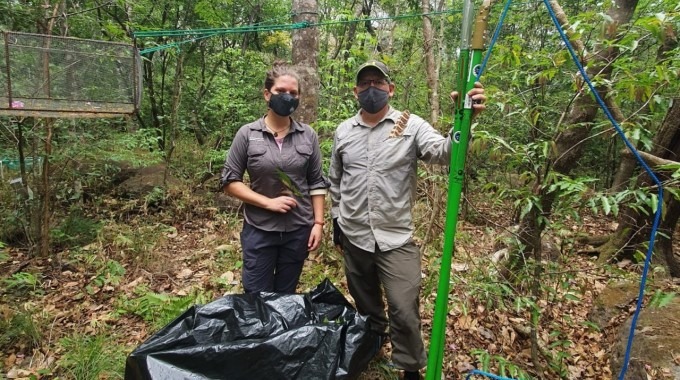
column 49, row 76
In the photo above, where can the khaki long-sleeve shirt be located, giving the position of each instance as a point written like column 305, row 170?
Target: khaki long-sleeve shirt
column 373, row 177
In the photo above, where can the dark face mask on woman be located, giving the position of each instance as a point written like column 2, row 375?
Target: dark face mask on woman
column 373, row 99
column 283, row 104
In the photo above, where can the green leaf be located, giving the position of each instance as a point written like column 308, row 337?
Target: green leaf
column 288, row 183
column 605, row 205
column 572, row 297
column 525, row 210
column 653, row 202
column 661, row 299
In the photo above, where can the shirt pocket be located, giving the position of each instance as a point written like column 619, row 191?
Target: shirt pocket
column 397, row 152
column 257, row 156
column 300, row 159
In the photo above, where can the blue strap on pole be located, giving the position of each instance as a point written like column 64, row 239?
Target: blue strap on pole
column 490, row 376
column 496, row 33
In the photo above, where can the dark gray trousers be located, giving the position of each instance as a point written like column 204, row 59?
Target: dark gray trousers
column 398, row 271
column 272, row 261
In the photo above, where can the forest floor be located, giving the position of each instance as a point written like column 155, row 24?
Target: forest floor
column 87, row 307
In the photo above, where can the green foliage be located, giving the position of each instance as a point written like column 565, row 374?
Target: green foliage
column 499, row 365
column 4, row 256
column 75, row 230
column 13, row 214
column 158, row 309
column 23, row 282
column 91, row 357
column 136, row 241
column 109, row 274
column 558, row 353
column 288, row 183
column 139, row 148
column 661, row 299
column 155, row 197
column 23, row 327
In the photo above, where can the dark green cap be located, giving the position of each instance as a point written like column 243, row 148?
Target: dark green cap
column 375, row 64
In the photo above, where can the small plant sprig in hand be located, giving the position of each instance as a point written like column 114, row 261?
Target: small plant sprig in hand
column 289, row 186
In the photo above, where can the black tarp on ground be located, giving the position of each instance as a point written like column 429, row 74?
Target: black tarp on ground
column 318, row 335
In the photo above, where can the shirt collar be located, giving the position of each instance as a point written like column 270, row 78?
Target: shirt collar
column 392, row 114
column 259, row 125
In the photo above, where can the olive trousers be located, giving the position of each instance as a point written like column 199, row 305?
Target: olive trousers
column 398, row 273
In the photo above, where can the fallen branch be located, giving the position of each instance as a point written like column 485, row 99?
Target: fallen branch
column 650, row 158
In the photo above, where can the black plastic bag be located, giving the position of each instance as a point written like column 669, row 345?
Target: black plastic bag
column 260, row 336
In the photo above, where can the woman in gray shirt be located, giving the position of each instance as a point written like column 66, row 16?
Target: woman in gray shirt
column 284, row 204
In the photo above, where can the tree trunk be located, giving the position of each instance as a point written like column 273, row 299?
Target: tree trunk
column 45, row 210
column 627, row 164
column 156, row 112
column 634, row 226
column 173, row 134
column 432, row 71
column 429, row 48
column 579, row 120
column 305, row 57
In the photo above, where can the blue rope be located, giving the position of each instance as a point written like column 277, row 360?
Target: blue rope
column 494, row 39
column 490, row 376
column 659, row 207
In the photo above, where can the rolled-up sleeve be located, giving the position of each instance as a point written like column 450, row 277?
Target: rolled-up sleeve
column 236, row 160
column 335, row 175
column 318, row 184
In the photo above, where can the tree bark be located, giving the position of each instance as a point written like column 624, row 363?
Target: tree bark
column 305, row 57
column 429, row 46
column 627, row 163
column 634, row 226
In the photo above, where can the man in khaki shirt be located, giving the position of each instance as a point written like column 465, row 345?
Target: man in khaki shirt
column 373, row 187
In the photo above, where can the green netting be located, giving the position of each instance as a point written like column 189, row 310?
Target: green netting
column 198, row 34
column 48, row 76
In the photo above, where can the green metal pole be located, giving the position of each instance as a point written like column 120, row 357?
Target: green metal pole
column 468, row 66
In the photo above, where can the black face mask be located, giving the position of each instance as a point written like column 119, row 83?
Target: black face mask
column 373, row 99
column 283, row 104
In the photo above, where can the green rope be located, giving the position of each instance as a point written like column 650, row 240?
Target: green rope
column 206, row 33
column 405, row 16
column 199, row 34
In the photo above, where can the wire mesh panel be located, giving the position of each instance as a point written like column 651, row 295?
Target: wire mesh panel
column 48, row 76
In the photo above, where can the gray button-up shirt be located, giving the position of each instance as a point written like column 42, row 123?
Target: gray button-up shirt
column 373, row 178
column 254, row 150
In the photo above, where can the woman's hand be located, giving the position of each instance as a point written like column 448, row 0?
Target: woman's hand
column 281, row 204
column 315, row 237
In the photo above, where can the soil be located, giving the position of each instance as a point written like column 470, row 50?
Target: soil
column 196, row 246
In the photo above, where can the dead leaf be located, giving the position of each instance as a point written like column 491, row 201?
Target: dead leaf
column 460, row 267
column 228, row 277
column 224, row 248
column 185, row 273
